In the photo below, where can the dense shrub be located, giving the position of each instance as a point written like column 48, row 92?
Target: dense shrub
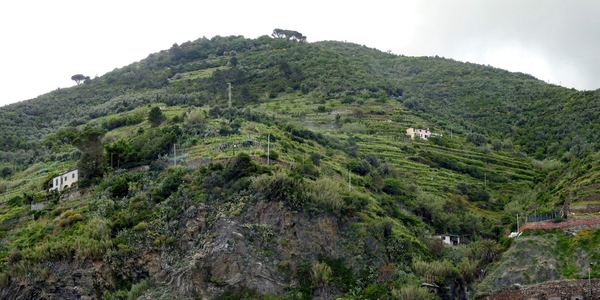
column 315, row 158
column 394, row 187
column 476, row 138
column 281, row 187
column 141, row 226
column 326, row 192
column 361, row 168
column 240, row 166
column 127, row 120
column 15, row 201
column 169, row 185
column 120, row 187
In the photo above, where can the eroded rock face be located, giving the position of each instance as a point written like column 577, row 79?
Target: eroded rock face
column 258, row 250
column 238, row 253
column 66, row 280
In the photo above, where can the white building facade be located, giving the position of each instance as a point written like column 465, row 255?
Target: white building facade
column 63, row 181
column 421, row 133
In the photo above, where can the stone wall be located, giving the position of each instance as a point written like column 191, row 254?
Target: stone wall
column 587, row 208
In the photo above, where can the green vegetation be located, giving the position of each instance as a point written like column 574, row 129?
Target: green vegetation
column 316, row 137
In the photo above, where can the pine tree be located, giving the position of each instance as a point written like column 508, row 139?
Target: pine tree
column 155, row 117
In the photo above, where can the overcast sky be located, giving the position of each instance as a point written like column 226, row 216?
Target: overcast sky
column 45, row 42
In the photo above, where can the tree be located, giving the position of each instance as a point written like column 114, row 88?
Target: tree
column 120, row 188
column 233, row 61
column 78, row 78
column 5, row 172
column 89, row 142
column 293, row 35
column 489, row 249
column 119, row 154
column 155, row 117
column 476, row 138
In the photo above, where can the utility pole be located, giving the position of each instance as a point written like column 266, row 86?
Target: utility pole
column 485, row 180
column 517, row 223
column 229, row 90
column 268, row 148
column 590, row 278
column 349, row 182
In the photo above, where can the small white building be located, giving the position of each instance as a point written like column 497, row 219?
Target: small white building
column 421, row 133
column 450, row 239
column 64, row 180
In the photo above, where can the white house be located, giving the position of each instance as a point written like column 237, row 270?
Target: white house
column 450, row 239
column 64, row 180
column 422, row 133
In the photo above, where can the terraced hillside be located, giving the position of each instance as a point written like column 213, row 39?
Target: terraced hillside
column 306, row 185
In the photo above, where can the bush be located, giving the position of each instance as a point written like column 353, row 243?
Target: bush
column 372, row 159
column 394, row 187
column 307, row 171
column 326, row 192
column 479, row 196
column 355, row 202
column 138, row 289
column 315, row 158
column 69, row 217
column 5, row 172
column 169, row 185
column 347, row 100
column 273, row 155
column 120, row 187
column 141, row 226
column 280, row 187
column 361, row 168
column 497, row 145
column 74, row 218
column 412, row 292
column 139, row 209
column 15, row 201
column 241, row 166
column 196, row 116
column 476, row 138
column 376, row 291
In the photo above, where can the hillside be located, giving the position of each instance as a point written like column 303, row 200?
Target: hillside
column 307, row 186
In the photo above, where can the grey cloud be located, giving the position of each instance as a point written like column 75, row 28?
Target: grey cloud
column 564, row 33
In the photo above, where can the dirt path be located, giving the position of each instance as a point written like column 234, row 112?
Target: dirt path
column 576, row 223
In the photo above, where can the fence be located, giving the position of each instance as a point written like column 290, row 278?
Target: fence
column 542, row 217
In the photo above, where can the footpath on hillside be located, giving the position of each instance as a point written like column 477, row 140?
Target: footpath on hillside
column 591, row 223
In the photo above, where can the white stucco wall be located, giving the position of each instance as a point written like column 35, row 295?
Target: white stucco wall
column 64, row 180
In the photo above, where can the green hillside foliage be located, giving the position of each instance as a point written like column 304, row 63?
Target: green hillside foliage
column 316, row 129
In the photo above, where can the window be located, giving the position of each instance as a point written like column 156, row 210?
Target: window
column 56, row 182
column 73, row 175
column 66, row 178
